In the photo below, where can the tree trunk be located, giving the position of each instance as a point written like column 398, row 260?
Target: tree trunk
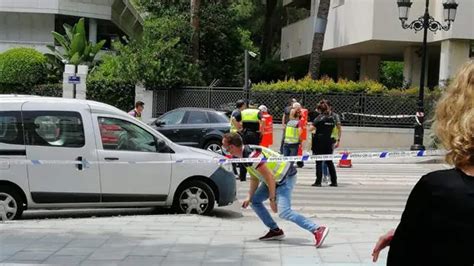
column 267, row 40
column 318, row 39
column 195, row 24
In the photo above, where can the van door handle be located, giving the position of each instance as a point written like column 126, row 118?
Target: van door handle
column 111, row 158
column 80, row 165
column 176, row 131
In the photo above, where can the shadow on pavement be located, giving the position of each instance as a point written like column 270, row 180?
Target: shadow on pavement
column 113, row 212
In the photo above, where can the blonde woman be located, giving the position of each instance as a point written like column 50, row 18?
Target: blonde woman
column 437, row 225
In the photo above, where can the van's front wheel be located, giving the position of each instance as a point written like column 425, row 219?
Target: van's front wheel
column 194, row 197
column 11, row 204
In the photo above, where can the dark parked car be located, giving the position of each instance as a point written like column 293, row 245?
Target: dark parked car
column 195, row 127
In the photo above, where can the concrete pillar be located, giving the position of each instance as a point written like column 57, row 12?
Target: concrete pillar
column 412, row 67
column 68, row 88
column 81, row 88
column 93, row 30
column 69, row 70
column 146, row 96
column 454, row 53
column 369, row 67
column 408, row 57
column 347, row 68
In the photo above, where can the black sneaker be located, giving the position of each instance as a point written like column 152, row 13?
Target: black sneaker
column 273, row 235
column 316, row 185
column 333, row 185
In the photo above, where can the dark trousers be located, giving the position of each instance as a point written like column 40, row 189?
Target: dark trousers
column 319, row 172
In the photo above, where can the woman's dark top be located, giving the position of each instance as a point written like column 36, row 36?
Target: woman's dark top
column 437, row 225
column 322, row 143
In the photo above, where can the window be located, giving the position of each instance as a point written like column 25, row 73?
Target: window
column 11, row 131
column 217, row 117
column 122, row 135
column 197, row 117
column 56, row 129
column 172, row 118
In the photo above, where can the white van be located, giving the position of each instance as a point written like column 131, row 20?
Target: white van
column 112, row 150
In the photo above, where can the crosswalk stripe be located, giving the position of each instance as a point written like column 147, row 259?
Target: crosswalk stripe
column 365, row 191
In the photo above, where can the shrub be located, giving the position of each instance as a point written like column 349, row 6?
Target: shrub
column 118, row 93
column 52, row 90
column 24, row 66
column 324, row 85
column 327, row 85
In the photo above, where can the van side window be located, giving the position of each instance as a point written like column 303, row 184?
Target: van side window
column 54, row 128
column 11, row 129
column 117, row 134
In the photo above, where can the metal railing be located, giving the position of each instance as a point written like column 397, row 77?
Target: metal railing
column 351, row 104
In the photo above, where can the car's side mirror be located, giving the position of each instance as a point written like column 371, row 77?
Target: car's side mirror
column 159, row 123
column 161, row 147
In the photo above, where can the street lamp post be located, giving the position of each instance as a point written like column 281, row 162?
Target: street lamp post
column 246, row 73
column 425, row 23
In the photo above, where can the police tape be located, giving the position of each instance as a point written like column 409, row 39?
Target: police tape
column 377, row 116
column 220, row 160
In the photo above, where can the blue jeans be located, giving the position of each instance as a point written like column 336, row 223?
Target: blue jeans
column 290, row 149
column 283, row 196
column 325, row 169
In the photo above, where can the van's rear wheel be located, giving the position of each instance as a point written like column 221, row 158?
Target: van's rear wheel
column 11, row 204
column 194, row 197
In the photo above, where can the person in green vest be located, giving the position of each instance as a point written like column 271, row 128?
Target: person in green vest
column 236, row 116
column 273, row 181
column 292, row 137
column 252, row 127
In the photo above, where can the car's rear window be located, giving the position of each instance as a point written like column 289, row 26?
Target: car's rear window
column 216, row 117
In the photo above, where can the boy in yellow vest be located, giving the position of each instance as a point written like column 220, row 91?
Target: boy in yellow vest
column 274, row 181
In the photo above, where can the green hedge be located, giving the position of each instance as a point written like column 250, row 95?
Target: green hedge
column 53, row 90
column 117, row 93
column 120, row 94
column 24, row 66
column 327, row 85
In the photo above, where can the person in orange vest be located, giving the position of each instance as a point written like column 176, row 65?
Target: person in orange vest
column 267, row 131
column 304, row 133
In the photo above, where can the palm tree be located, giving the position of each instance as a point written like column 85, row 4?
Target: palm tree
column 195, row 24
column 318, row 39
column 75, row 48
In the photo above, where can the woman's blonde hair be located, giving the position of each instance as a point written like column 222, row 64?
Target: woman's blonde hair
column 454, row 118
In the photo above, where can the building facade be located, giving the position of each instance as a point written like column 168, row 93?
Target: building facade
column 362, row 33
column 29, row 23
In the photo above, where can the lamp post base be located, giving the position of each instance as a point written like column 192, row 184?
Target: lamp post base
column 417, row 147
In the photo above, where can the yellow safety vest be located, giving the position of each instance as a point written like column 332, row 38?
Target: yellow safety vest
column 335, row 133
column 233, row 129
column 250, row 115
column 278, row 169
column 292, row 132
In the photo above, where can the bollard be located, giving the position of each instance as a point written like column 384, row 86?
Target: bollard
column 343, row 162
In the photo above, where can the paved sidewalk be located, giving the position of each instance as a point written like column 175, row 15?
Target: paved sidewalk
column 229, row 239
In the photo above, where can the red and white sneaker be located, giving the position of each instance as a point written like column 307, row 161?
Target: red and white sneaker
column 320, row 234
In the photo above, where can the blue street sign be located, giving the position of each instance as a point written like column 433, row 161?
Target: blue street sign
column 74, row 80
